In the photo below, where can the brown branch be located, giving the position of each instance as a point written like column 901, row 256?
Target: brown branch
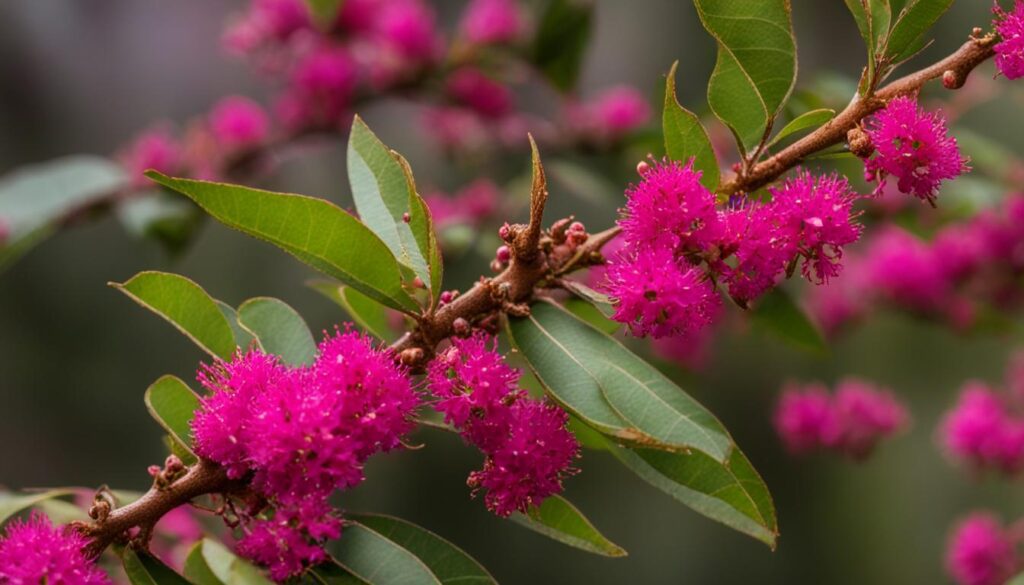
column 959, row 65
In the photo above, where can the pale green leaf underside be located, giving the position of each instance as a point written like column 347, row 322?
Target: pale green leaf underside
column 278, row 329
column 558, row 519
column 172, row 404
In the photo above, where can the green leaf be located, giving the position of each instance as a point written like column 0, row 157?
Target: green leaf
column 377, row 559
column 62, row 512
column 366, row 312
column 145, row 569
column 811, row 119
column 35, row 199
column 447, row 562
column 196, row 569
column 1017, row 580
column 228, row 568
column 331, row 573
column 777, row 313
column 731, row 493
column 172, row 403
column 914, row 21
column 388, row 203
column 278, row 329
column 872, row 17
column 558, row 519
column 185, row 305
column 561, row 41
column 756, row 66
column 162, row 216
column 599, row 380
column 599, row 300
column 313, row 230
column 11, row 504
column 324, row 12
column 685, row 136
column 243, row 338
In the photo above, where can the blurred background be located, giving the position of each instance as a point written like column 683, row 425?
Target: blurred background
column 76, row 356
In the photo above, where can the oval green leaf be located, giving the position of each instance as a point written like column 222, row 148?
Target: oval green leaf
column 228, row 568
column 685, row 136
column 447, row 562
column 172, row 404
column 911, row 26
column 378, row 560
column 366, row 312
column 243, row 338
column 196, row 569
column 558, row 519
column 811, row 119
column 185, row 305
column 756, row 66
column 145, row 569
column 278, row 329
column 611, row 388
column 11, row 504
column 313, row 230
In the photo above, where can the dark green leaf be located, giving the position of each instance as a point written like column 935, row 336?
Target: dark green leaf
column 228, row 568
column 872, row 17
column 172, row 403
column 324, row 12
column 777, row 313
column 731, row 493
column 35, row 199
column 145, row 569
column 185, row 305
column 11, row 504
column 685, row 136
column 313, row 230
column 386, row 199
column 196, row 569
column 366, row 312
column 756, row 65
column 378, row 560
column 447, row 562
column 279, row 330
column 811, row 119
column 558, row 519
column 331, row 573
column 914, row 21
column 610, row 388
column 561, row 41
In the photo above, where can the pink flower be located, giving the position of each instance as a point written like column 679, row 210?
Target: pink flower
column 266, row 22
column 670, row 208
column 901, row 268
column 322, row 84
column 455, row 129
column 751, row 234
column 864, row 415
column 980, row 552
column 979, row 430
column 1010, row 50
column 657, row 295
column 156, row 149
column 239, row 123
column 35, row 551
column 528, row 448
column 841, row 301
column 620, row 109
column 913, row 146
column 409, row 27
column 487, row 22
column 469, row 86
column 804, row 417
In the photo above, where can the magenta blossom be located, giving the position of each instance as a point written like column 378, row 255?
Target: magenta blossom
column 156, row 149
column 1010, row 49
column 35, row 551
column 239, row 123
column 981, row 431
column 492, row 22
column 980, row 552
column 618, row 110
column 804, row 417
column 469, row 86
column 914, row 147
column 322, row 84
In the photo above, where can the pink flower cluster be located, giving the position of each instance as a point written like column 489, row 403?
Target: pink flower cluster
column 529, row 450
column 610, row 115
column 35, row 551
column 964, row 267
column 981, row 551
column 914, row 147
column 852, row 421
column 492, row 22
column 985, row 429
column 679, row 242
column 1010, row 49
column 471, row 205
column 299, row 434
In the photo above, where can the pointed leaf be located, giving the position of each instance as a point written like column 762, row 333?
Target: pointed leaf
column 11, row 504
column 811, row 119
column 386, row 199
column 185, row 305
column 731, row 493
column 872, row 17
column 447, row 562
column 611, row 388
column 228, row 568
column 331, row 573
column 278, row 329
column 313, row 230
column 196, row 569
column 558, row 519
column 145, row 569
column 912, row 24
column 366, row 312
column 561, row 41
column 685, row 136
column 377, row 559
column 777, row 313
column 172, row 404
column 756, row 66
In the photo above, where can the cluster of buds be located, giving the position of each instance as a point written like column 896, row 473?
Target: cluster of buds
column 162, row 477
